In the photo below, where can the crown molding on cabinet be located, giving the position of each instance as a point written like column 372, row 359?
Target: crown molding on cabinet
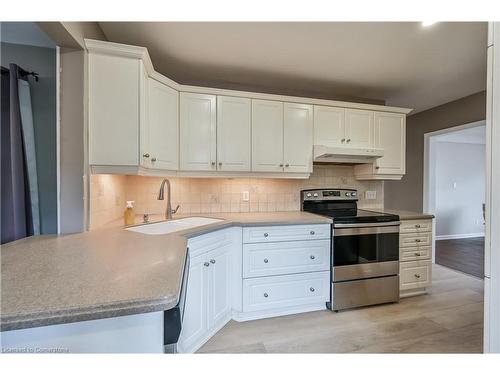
column 118, row 49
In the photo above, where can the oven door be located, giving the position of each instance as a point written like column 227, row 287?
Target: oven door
column 366, row 250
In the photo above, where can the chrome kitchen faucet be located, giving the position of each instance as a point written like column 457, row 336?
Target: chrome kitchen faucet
column 168, row 210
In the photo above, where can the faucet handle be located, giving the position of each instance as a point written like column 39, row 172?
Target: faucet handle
column 174, row 211
column 145, row 217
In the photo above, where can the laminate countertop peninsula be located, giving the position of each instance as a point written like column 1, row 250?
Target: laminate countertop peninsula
column 55, row 279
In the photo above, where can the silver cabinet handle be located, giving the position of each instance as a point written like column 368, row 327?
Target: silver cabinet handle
column 206, row 264
column 417, row 276
column 311, row 289
column 145, row 155
column 281, row 165
column 417, row 226
column 266, row 295
column 417, row 254
column 342, row 140
column 348, row 140
column 266, row 234
column 287, row 165
column 212, row 261
column 266, row 260
column 220, row 163
column 312, row 257
column 153, row 160
column 417, row 240
column 213, row 163
column 377, row 167
column 312, row 233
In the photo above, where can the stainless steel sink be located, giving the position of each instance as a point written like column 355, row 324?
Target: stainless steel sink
column 172, row 226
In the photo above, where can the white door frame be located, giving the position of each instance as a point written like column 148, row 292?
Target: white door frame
column 429, row 171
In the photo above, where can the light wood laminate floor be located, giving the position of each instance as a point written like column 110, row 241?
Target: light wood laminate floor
column 447, row 320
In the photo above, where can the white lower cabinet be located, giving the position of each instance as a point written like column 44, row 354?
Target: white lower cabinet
column 415, row 254
column 209, row 294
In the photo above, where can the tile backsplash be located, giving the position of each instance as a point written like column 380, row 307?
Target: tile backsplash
column 214, row 195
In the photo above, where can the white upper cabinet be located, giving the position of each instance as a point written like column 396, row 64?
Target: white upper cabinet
column 267, row 136
column 233, row 134
column 359, row 128
column 390, row 134
column 161, row 148
column 329, row 126
column 114, row 112
column 198, row 134
column 298, row 137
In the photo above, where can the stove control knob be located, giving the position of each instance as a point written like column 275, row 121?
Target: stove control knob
column 315, row 195
column 308, row 195
column 347, row 194
column 353, row 194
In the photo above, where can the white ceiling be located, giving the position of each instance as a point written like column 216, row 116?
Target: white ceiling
column 402, row 63
column 24, row 33
column 475, row 135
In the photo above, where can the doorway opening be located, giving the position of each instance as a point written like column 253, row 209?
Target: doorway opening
column 454, row 191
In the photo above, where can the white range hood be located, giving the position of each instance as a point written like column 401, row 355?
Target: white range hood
column 327, row 154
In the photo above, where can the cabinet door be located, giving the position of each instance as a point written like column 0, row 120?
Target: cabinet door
column 163, row 126
column 195, row 321
column 233, row 134
column 219, row 295
column 329, row 126
column 114, row 110
column 298, row 137
column 390, row 134
column 359, row 128
column 197, row 132
column 267, row 136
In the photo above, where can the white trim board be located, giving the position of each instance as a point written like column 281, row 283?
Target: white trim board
column 458, row 236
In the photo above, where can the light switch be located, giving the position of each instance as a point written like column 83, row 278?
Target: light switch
column 246, row 196
column 370, row 194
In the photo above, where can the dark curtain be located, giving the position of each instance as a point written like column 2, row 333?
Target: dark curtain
column 15, row 207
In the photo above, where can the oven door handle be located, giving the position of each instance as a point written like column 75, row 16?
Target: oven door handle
column 364, row 225
column 359, row 231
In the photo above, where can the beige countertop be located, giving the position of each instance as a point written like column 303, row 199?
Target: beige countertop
column 405, row 215
column 105, row 273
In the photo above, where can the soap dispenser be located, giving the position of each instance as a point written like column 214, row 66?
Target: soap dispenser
column 129, row 215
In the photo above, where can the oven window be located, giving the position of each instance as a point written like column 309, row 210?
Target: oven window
column 365, row 248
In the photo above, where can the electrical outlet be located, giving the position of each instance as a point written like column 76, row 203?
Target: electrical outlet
column 246, row 196
column 370, row 194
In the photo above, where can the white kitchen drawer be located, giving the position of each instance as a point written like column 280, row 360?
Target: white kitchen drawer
column 285, row 291
column 415, row 239
column 416, row 274
column 415, row 253
column 281, row 258
column 286, row 233
column 416, row 226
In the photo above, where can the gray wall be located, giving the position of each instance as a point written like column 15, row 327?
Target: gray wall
column 407, row 194
column 43, row 98
column 460, row 188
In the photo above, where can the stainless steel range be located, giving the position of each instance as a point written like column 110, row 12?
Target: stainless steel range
column 365, row 249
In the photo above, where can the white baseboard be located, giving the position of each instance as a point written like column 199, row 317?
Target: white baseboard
column 271, row 313
column 458, row 236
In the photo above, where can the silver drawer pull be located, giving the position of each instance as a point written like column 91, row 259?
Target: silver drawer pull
column 417, row 254
column 266, row 234
column 266, row 260
column 266, row 295
column 212, row 261
column 417, row 226
column 417, row 276
column 311, row 289
column 153, row 160
column 206, row 264
column 145, row 155
column 312, row 257
column 312, row 233
column 417, row 240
